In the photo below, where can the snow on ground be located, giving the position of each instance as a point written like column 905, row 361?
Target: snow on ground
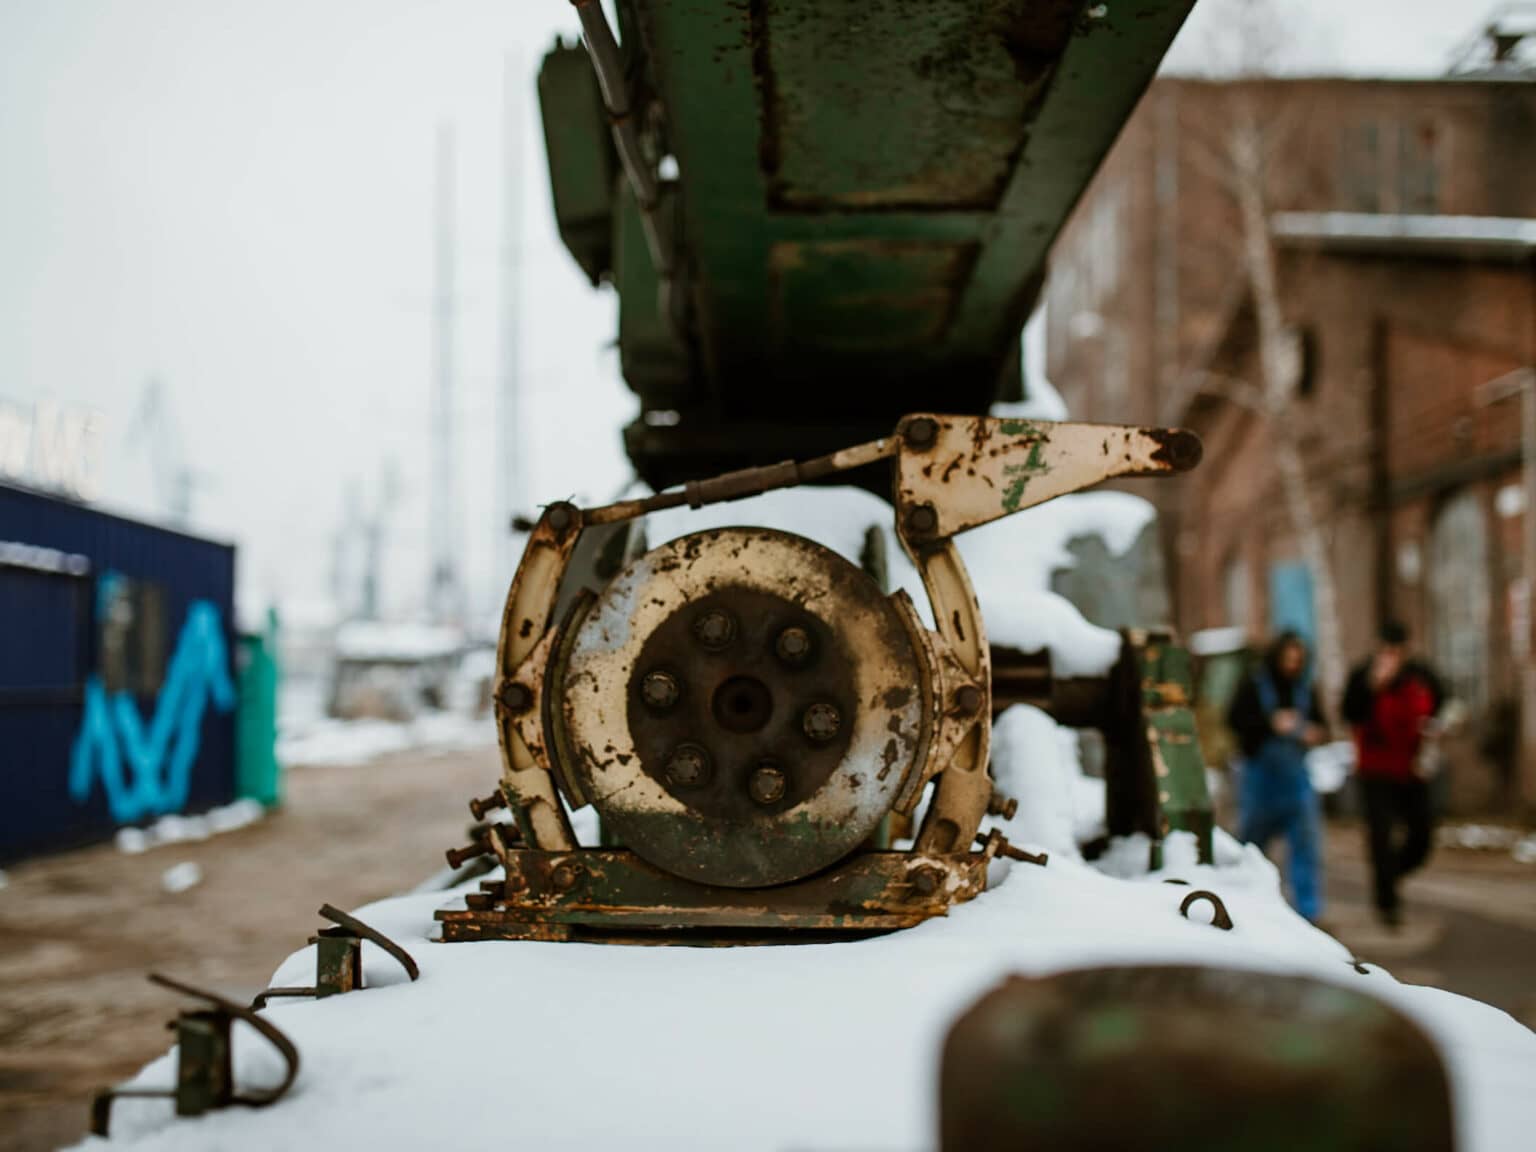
column 308, row 737
column 176, row 829
column 359, row 741
column 831, row 1046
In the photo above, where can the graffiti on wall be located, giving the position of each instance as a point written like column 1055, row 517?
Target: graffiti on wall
column 146, row 770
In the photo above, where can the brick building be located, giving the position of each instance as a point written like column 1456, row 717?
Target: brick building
column 1403, row 217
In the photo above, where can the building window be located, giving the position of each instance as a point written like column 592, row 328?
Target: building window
column 1234, row 591
column 1418, row 167
column 1360, row 167
column 131, row 630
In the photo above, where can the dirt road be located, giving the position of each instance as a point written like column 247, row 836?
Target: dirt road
column 79, row 931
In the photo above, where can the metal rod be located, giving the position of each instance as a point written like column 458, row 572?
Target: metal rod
column 603, row 50
column 746, row 482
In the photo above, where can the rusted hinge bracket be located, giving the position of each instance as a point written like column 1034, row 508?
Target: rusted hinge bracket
column 339, row 958
column 204, row 1065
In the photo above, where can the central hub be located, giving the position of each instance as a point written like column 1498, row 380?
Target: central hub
column 741, row 678
column 743, row 704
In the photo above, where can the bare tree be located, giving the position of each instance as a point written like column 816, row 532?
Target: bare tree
column 1251, row 133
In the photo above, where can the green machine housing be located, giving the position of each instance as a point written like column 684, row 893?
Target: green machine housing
column 855, row 199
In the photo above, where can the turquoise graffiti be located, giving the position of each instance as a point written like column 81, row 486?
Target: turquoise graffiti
column 147, row 770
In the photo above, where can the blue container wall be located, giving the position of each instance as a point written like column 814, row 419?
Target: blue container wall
column 50, row 654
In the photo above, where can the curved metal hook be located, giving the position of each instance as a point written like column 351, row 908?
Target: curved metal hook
column 265, row 1027
column 352, row 924
column 1219, row 917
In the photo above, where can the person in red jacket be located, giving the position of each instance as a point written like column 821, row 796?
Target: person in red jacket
column 1390, row 702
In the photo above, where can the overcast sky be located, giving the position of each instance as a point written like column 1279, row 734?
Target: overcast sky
column 236, row 196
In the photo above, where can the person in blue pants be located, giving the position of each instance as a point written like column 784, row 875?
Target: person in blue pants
column 1276, row 717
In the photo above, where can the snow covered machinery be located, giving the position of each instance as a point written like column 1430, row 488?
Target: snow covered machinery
column 746, row 710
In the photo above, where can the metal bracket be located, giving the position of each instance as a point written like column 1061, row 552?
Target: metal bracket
column 204, row 1071
column 339, row 958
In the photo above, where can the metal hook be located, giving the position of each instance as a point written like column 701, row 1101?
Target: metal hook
column 1219, row 917
column 206, row 1082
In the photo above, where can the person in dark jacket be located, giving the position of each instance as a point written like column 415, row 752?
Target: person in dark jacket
column 1275, row 717
column 1390, row 701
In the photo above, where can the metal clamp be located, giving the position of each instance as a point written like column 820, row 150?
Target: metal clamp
column 1219, row 917
column 339, row 958
column 204, row 1072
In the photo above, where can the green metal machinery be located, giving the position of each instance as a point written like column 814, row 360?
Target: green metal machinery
column 821, row 215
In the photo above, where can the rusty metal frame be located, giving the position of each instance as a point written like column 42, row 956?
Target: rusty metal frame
column 951, row 474
column 611, row 894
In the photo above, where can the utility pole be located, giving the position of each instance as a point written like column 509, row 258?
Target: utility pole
column 509, row 446
column 445, row 604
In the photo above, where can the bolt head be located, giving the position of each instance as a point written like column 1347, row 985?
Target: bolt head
column 821, row 722
column 793, row 645
column 559, row 516
column 515, row 697
column 715, row 629
column 688, row 766
column 926, row 881
column 968, row 699
column 921, row 432
column 767, row 784
column 660, row 689
column 923, row 519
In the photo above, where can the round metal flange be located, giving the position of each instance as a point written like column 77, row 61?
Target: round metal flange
column 793, row 692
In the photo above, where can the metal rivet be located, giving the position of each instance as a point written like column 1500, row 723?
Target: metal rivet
column 920, row 433
column 715, row 629
column 923, row 519
column 563, row 877
column 768, row 783
column 821, row 722
column 968, row 699
column 559, row 516
column 515, row 697
column 926, row 881
column 660, row 689
column 688, row 766
column 793, row 645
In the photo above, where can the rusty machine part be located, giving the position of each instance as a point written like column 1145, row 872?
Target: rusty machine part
column 1154, row 770
column 204, row 1066
column 339, row 958
column 744, row 708
column 1198, row 1059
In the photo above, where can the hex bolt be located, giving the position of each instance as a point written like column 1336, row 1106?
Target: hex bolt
column 660, row 690
column 511, row 835
column 767, row 783
column 921, row 432
column 563, row 877
column 515, row 697
column 926, row 881
column 483, row 804
column 967, row 699
column 715, row 629
column 821, row 722
column 793, row 646
column 458, row 857
column 688, row 766
column 1002, row 805
column 923, row 519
